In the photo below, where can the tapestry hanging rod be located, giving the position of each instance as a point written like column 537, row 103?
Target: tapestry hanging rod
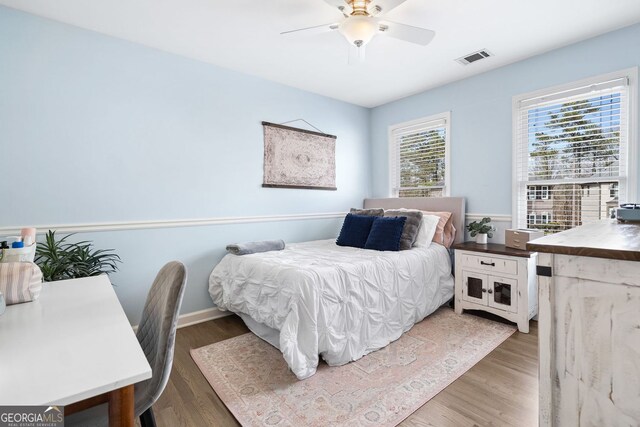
column 282, row 125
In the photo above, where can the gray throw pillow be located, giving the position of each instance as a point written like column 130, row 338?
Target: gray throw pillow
column 411, row 226
column 367, row 212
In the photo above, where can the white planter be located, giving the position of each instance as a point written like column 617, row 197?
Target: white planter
column 481, row 238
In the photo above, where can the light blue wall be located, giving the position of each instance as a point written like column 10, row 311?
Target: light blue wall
column 481, row 115
column 200, row 248
column 96, row 129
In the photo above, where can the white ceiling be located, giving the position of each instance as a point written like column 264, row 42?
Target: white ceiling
column 243, row 35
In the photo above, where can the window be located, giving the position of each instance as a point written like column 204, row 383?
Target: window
column 613, row 190
column 419, row 157
column 534, row 219
column 572, row 157
column 538, row 192
column 544, row 192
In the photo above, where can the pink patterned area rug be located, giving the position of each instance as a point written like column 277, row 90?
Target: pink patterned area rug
column 380, row 389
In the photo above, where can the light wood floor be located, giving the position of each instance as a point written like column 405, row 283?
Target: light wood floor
column 501, row 390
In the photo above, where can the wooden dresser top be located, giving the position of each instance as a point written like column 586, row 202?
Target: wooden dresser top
column 602, row 239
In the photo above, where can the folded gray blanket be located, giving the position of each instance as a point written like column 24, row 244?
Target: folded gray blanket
column 255, row 247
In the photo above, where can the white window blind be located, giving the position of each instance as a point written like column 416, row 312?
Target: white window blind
column 571, row 154
column 418, row 157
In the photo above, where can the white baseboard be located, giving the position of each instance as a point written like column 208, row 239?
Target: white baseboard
column 196, row 317
column 205, row 315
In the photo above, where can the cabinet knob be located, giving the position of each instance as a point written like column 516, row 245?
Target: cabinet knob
column 490, row 291
column 484, row 290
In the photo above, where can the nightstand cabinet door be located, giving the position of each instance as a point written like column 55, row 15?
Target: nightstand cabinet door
column 474, row 287
column 503, row 293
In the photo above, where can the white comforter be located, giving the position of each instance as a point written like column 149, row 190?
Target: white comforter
column 337, row 302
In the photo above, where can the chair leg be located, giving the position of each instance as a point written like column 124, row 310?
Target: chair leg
column 147, row 419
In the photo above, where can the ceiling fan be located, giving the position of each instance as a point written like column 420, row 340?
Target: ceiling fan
column 363, row 21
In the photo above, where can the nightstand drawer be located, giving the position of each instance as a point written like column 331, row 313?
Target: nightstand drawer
column 492, row 264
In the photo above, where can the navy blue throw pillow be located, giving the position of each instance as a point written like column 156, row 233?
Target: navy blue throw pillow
column 385, row 233
column 355, row 230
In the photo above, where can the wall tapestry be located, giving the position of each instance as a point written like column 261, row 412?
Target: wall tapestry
column 298, row 158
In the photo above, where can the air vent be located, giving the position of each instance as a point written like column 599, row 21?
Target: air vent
column 474, row 56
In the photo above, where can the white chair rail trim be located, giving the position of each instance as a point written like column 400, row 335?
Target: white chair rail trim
column 494, row 217
column 141, row 225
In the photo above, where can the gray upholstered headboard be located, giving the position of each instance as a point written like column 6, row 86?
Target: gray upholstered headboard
column 455, row 205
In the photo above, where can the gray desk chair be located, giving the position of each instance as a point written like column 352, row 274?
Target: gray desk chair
column 157, row 336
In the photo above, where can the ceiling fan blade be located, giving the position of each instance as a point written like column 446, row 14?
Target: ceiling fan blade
column 309, row 31
column 409, row 33
column 382, row 6
column 356, row 54
column 341, row 5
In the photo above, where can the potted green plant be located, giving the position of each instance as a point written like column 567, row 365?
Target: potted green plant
column 481, row 230
column 60, row 260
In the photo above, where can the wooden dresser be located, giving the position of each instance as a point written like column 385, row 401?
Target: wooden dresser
column 589, row 325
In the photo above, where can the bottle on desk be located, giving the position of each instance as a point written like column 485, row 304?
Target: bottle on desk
column 28, row 236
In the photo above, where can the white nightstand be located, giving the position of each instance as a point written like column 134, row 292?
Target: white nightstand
column 496, row 279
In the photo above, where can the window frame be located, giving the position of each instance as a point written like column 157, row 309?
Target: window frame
column 446, row 116
column 538, row 218
column 631, row 180
column 544, row 192
column 545, row 218
column 538, row 192
column 614, row 191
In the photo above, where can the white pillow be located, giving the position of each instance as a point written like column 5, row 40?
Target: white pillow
column 428, row 228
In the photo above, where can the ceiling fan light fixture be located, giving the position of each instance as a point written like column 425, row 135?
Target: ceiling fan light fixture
column 359, row 6
column 359, row 30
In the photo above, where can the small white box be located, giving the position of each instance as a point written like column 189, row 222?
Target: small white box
column 518, row 239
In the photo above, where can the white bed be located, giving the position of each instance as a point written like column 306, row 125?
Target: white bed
column 317, row 298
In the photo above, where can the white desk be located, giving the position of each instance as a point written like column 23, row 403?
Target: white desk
column 72, row 344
